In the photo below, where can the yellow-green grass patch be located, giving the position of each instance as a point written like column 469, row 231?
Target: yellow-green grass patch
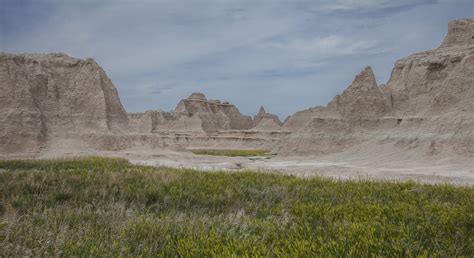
column 107, row 207
column 231, row 153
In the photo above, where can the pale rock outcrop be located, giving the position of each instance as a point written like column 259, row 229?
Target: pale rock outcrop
column 264, row 121
column 363, row 99
column 141, row 123
column 435, row 89
column 433, row 82
column 214, row 115
column 427, row 106
column 460, row 32
column 155, row 121
column 194, row 114
column 322, row 130
column 301, row 119
column 54, row 95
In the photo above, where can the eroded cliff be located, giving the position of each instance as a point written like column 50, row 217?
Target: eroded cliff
column 426, row 108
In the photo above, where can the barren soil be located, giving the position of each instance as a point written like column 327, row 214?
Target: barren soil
column 340, row 166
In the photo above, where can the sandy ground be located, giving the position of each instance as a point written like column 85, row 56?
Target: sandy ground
column 306, row 167
column 348, row 165
column 459, row 172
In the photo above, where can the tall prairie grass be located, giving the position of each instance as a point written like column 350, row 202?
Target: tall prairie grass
column 108, row 207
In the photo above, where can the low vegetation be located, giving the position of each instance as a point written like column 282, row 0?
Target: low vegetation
column 232, row 153
column 107, row 207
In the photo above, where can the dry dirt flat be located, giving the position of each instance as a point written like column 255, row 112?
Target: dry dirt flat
column 360, row 163
column 459, row 171
column 450, row 171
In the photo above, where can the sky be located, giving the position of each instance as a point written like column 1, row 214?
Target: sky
column 286, row 55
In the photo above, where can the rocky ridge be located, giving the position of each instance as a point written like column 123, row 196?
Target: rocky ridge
column 266, row 121
column 193, row 114
column 426, row 108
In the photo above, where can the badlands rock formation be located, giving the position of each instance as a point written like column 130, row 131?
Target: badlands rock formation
column 363, row 99
column 460, row 32
column 266, row 121
column 42, row 96
column 194, row 114
column 425, row 109
column 197, row 122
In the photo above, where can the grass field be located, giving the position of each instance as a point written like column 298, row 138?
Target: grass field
column 107, row 207
column 232, row 153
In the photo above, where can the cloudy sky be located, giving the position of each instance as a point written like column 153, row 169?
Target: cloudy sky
column 284, row 54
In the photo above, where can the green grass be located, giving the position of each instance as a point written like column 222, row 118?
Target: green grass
column 232, row 153
column 107, row 207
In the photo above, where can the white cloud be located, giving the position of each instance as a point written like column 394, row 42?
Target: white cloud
column 327, row 46
column 351, row 5
column 138, row 37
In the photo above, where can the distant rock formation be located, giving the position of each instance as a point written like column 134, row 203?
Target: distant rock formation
column 300, row 119
column 264, row 121
column 214, row 114
column 194, row 114
column 363, row 99
column 426, row 108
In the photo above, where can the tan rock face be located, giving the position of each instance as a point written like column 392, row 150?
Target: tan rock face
column 460, row 32
column 54, row 94
column 426, row 108
column 433, row 82
column 266, row 121
column 195, row 114
column 301, row 119
column 363, row 99
column 427, row 105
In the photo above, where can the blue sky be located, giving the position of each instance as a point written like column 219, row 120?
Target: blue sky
column 287, row 55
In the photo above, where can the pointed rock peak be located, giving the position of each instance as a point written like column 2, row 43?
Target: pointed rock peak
column 262, row 111
column 368, row 69
column 197, row 96
column 366, row 78
column 460, row 32
column 367, row 73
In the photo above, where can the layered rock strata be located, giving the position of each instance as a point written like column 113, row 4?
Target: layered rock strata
column 53, row 95
column 426, row 108
column 264, row 121
column 194, row 114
